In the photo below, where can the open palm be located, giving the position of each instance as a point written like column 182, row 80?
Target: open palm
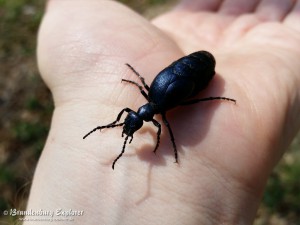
column 226, row 151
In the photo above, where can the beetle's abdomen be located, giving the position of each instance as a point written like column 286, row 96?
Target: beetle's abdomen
column 183, row 79
column 168, row 90
column 198, row 66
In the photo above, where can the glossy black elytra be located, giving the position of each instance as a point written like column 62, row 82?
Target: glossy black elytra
column 180, row 81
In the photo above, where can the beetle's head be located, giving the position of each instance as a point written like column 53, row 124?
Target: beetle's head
column 132, row 123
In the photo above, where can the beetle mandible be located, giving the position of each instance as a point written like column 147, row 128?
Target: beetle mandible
column 173, row 86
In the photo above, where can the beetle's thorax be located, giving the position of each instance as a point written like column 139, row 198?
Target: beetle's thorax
column 146, row 112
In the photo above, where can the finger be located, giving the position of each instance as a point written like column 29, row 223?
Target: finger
column 293, row 18
column 199, row 5
column 274, row 10
column 235, row 8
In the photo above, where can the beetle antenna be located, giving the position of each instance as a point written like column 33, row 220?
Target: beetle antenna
column 123, row 150
column 101, row 127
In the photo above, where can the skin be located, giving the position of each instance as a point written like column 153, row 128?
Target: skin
column 226, row 151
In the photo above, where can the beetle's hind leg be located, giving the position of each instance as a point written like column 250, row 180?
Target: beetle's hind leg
column 194, row 101
column 171, row 135
column 141, row 78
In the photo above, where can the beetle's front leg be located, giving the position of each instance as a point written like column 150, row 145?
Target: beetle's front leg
column 111, row 125
column 157, row 124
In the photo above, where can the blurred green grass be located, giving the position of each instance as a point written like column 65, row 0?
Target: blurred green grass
column 26, row 107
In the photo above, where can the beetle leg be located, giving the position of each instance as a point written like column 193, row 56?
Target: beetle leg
column 141, row 78
column 139, row 86
column 171, row 135
column 121, row 113
column 131, row 139
column 194, row 101
column 111, row 125
column 123, row 150
column 157, row 124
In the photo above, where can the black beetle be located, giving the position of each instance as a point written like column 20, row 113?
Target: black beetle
column 180, row 81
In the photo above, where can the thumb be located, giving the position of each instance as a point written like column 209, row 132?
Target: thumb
column 85, row 44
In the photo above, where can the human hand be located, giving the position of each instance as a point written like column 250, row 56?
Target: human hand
column 226, row 151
